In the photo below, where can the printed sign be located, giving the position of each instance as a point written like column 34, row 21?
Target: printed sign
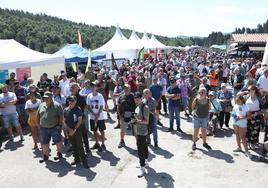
column 3, row 76
column 21, row 71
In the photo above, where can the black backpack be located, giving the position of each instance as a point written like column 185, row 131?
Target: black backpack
column 151, row 119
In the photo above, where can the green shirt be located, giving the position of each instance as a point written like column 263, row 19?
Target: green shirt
column 141, row 129
column 50, row 115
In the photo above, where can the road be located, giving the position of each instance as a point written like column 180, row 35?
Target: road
column 173, row 164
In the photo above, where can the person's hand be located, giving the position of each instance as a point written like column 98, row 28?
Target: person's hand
column 71, row 132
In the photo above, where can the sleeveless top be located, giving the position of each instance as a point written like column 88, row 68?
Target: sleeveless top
column 201, row 109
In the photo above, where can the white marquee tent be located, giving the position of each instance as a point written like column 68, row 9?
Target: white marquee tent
column 121, row 47
column 265, row 55
column 14, row 55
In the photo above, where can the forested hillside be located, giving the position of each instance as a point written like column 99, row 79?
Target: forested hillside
column 48, row 34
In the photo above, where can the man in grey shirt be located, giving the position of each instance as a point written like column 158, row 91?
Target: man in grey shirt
column 151, row 103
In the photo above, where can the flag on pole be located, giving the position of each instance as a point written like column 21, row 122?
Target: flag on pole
column 89, row 60
column 141, row 54
column 74, row 66
column 79, row 39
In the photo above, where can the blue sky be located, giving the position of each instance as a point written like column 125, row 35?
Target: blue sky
column 163, row 17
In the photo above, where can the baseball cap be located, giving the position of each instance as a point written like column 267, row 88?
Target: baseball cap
column 94, row 83
column 127, row 85
column 47, row 94
column 137, row 95
column 211, row 93
column 223, row 85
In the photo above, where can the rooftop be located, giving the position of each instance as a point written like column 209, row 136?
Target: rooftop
column 250, row 37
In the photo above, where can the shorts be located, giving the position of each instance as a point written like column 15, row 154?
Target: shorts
column 123, row 125
column 48, row 133
column 242, row 123
column 200, row 122
column 11, row 120
column 184, row 101
column 100, row 125
column 158, row 106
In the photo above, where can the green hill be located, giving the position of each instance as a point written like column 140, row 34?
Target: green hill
column 48, row 34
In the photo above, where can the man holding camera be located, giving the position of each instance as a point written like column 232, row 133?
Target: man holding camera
column 72, row 123
column 125, row 108
column 141, row 122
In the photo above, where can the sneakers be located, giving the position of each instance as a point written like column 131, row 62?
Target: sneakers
column 180, row 131
column 75, row 162
column 142, row 172
column 96, row 146
column 237, row 150
column 194, row 147
column 121, row 144
column 59, row 156
column 205, row 145
column 45, row 158
column 248, row 154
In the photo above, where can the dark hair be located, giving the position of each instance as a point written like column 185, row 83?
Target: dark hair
column 257, row 91
column 241, row 98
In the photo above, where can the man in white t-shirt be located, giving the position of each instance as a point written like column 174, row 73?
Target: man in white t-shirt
column 8, row 110
column 64, row 85
column 95, row 103
column 263, row 80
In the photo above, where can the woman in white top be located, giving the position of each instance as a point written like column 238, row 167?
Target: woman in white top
column 31, row 107
column 239, row 116
column 255, row 117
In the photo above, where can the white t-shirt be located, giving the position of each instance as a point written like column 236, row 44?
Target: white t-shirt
column 263, row 82
column 65, row 87
column 253, row 105
column 113, row 74
column 241, row 110
column 29, row 104
column 10, row 109
column 95, row 102
column 163, row 83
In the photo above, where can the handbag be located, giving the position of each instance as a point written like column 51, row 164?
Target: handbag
column 228, row 107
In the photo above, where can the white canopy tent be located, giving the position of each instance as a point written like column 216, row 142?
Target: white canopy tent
column 14, row 55
column 119, row 45
column 265, row 55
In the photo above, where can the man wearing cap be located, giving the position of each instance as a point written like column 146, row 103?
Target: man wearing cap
column 173, row 96
column 125, row 108
column 9, row 113
column 80, row 102
column 141, row 129
column 95, row 103
column 72, row 122
column 50, row 119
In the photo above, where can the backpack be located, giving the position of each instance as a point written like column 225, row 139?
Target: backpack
column 151, row 119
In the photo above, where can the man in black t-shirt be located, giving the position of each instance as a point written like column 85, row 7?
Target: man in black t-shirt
column 125, row 109
column 72, row 122
column 81, row 102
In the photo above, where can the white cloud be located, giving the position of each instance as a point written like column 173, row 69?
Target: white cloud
column 225, row 9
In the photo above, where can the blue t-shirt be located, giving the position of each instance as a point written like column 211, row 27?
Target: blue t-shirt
column 156, row 91
column 175, row 90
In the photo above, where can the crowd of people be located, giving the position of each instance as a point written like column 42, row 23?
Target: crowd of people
column 211, row 88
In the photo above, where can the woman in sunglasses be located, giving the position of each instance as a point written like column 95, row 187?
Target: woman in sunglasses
column 200, row 106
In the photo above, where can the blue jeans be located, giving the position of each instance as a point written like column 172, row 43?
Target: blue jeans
column 174, row 110
column 155, row 135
